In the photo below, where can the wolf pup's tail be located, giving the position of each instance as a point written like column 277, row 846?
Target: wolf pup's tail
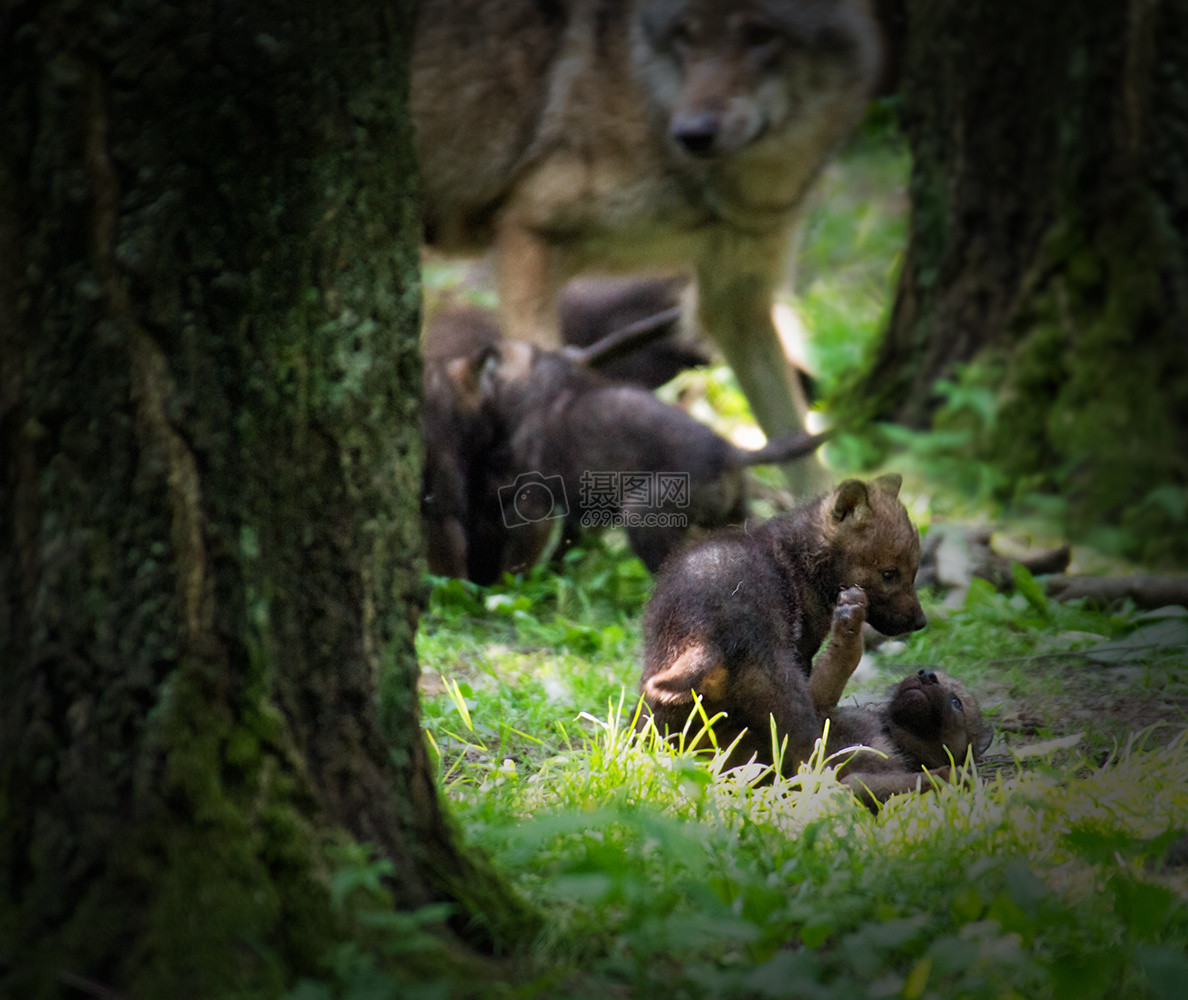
column 783, row 448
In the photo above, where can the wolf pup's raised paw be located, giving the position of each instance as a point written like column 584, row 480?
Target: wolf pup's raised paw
column 843, row 649
column 850, row 613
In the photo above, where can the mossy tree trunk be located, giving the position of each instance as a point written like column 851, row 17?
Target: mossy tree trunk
column 1049, row 245
column 209, row 465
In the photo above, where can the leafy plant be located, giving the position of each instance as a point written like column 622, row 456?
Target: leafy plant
column 385, row 951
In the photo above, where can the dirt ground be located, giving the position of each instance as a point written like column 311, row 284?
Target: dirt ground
column 1086, row 710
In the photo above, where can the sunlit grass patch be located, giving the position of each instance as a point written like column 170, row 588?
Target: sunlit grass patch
column 661, row 874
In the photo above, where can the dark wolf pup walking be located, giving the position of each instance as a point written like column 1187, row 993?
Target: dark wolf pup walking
column 523, row 428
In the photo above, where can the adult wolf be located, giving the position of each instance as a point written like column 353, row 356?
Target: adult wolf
column 619, row 135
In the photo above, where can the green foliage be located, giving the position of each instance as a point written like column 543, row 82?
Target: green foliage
column 517, row 658
column 981, row 452
column 1073, row 409
column 848, row 259
column 950, row 454
column 544, row 606
column 385, row 951
column 663, row 876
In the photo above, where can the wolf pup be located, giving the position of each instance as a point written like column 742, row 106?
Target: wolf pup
column 596, row 310
column 738, row 619
column 458, row 438
column 639, row 135
column 611, row 453
column 929, row 720
column 465, row 534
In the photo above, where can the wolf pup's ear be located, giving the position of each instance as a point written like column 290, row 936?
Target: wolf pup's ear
column 472, row 378
column 850, row 500
column 484, row 367
column 889, row 484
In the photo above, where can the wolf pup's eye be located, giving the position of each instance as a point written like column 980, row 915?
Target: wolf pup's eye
column 890, row 575
column 956, row 703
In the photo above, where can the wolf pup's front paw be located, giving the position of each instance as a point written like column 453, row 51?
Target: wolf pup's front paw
column 850, row 612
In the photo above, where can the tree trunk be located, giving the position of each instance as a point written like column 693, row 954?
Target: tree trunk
column 209, row 448
column 1049, row 246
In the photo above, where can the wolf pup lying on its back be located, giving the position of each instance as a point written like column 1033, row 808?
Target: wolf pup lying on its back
column 738, row 619
column 929, row 720
column 636, row 135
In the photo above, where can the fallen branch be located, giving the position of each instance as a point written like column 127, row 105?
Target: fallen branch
column 1147, row 592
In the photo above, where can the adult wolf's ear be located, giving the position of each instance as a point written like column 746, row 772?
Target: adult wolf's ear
column 851, row 500
column 889, row 485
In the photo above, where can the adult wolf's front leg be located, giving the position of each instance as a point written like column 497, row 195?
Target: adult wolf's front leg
column 735, row 291
column 528, row 279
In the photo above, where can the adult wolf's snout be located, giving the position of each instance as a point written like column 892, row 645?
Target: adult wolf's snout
column 697, row 132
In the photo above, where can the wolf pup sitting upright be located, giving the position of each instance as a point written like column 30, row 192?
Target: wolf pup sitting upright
column 638, row 135
column 738, row 619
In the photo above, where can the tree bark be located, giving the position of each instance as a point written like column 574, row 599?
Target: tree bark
column 1049, row 246
column 210, row 558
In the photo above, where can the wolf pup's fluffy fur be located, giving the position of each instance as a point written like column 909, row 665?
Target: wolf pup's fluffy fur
column 738, row 619
column 929, row 720
column 467, row 437
column 631, row 135
column 562, row 442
